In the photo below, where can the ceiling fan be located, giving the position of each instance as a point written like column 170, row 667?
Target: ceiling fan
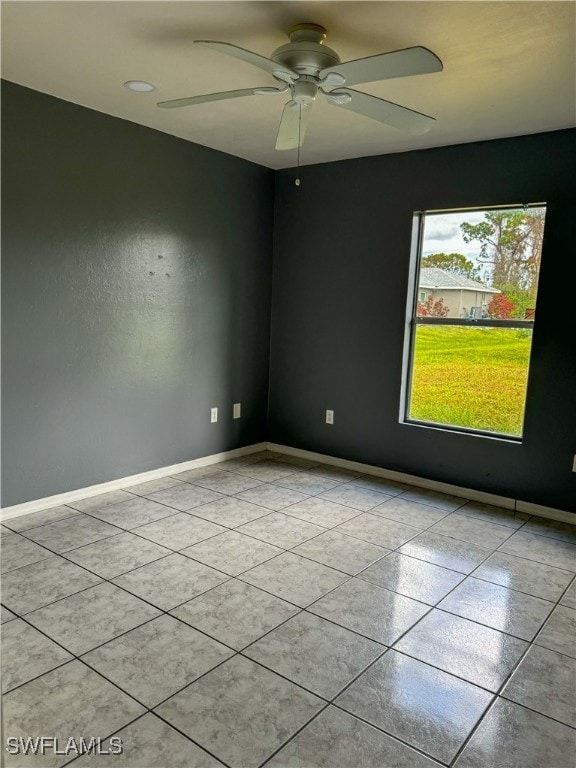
column 306, row 67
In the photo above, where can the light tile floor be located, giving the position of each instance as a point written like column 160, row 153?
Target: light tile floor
column 271, row 611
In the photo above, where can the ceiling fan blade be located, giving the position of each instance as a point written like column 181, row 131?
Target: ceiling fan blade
column 409, row 61
column 190, row 100
column 384, row 111
column 249, row 57
column 292, row 125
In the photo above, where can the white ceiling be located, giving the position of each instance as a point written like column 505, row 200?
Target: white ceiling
column 509, row 68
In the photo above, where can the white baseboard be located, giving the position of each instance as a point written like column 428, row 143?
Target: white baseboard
column 538, row 509
column 8, row 513
column 433, row 485
column 36, row 505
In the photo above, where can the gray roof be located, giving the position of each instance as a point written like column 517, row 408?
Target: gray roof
column 434, row 277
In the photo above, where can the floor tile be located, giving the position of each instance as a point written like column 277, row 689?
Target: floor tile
column 71, row 533
column 244, row 461
column 546, row 682
column 321, row 512
column 543, row 549
column 412, row 578
column 362, row 499
column 6, row 615
column 271, row 496
column 514, row 737
column 551, row 528
column 527, row 576
column 305, row 482
column 281, row 530
column 378, row 530
column 170, row 581
column 71, row 701
column 372, row 611
column 4, row 532
column 442, row 550
column 179, row 531
column 131, row 514
column 83, row 621
column 189, row 475
column 151, row 743
column 226, row 482
column 132, row 660
column 284, row 460
column 381, row 484
column 559, row 632
column 493, row 514
column 230, row 512
column 475, row 653
column 34, row 519
column 142, row 489
column 99, row 501
column 569, row 597
column 472, row 530
column 259, row 712
column 497, row 607
column 36, row 585
column 338, row 473
column 184, row 496
column 232, row 552
column 18, row 552
column 335, row 739
column 294, row 578
column 266, row 471
column 117, row 554
column 314, row 653
column 423, row 706
column 26, row 653
column 434, row 498
column 235, row 613
column 410, row 512
column 342, row 552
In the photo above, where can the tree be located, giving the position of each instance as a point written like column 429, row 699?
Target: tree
column 501, row 307
column 431, row 308
column 511, row 242
column 455, row 263
column 523, row 301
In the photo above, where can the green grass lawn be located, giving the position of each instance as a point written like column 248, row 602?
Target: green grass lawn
column 471, row 377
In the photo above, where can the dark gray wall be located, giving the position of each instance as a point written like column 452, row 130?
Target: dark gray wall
column 341, row 263
column 136, row 295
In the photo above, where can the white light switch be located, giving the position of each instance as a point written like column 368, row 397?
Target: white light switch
column 329, row 417
column 213, row 415
column 236, row 410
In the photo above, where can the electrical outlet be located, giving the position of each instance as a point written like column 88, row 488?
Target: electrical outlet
column 329, row 417
column 213, row 415
column 236, row 410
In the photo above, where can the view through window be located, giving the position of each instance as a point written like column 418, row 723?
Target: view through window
column 474, row 310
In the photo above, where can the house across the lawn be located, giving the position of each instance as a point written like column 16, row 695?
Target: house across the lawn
column 463, row 297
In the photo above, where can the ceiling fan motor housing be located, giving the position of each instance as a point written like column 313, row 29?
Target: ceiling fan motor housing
column 304, row 90
column 305, row 53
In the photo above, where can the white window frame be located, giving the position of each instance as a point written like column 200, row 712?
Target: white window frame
column 412, row 321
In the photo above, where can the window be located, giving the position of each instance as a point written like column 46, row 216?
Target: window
column 469, row 335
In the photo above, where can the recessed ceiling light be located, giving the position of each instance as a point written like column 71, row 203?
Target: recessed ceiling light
column 139, row 86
